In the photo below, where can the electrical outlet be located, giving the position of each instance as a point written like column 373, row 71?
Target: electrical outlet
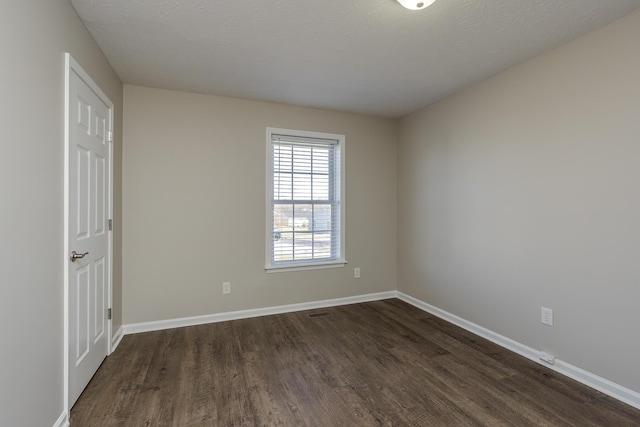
column 546, row 316
column 356, row 272
column 226, row 288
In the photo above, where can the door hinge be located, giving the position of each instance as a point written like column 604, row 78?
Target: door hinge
column 110, row 224
column 109, row 314
column 110, row 136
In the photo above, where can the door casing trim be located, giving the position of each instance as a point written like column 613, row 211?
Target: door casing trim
column 72, row 66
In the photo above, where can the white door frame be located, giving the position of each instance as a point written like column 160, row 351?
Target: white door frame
column 71, row 66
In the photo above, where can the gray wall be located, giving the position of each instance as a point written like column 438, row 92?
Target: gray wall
column 33, row 38
column 195, row 202
column 522, row 192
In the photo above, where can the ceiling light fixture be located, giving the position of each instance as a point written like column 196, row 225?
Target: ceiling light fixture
column 416, row 4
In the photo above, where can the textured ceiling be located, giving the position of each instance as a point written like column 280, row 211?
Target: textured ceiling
column 367, row 56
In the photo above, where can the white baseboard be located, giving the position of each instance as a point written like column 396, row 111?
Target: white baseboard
column 135, row 328
column 607, row 387
column 603, row 385
column 62, row 421
column 117, row 337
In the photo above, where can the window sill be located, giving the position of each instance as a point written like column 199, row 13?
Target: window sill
column 300, row 267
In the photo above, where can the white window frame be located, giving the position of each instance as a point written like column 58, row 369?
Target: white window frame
column 272, row 267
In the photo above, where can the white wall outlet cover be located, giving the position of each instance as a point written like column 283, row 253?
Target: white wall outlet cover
column 546, row 316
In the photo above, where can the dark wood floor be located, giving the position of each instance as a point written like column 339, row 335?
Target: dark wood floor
column 382, row 363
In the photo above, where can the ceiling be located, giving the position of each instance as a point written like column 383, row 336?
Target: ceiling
column 365, row 56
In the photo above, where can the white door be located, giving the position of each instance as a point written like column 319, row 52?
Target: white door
column 89, row 125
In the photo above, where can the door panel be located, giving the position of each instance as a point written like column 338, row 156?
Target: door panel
column 83, row 163
column 99, row 301
column 100, row 221
column 82, row 284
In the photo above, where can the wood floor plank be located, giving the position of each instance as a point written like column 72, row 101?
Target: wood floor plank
column 383, row 363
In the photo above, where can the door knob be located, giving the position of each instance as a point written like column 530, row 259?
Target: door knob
column 74, row 256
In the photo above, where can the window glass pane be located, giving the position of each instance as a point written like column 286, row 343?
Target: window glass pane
column 322, row 245
column 320, row 187
column 321, row 218
column 301, row 186
column 282, row 186
column 321, row 160
column 303, row 245
column 282, row 217
column 282, row 250
column 302, row 217
column 282, row 156
column 282, row 237
column 302, row 159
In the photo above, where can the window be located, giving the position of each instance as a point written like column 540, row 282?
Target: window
column 305, row 189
